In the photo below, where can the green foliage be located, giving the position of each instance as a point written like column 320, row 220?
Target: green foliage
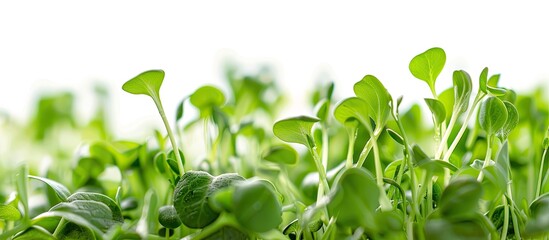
column 296, row 130
column 428, row 65
column 191, row 196
column 453, row 178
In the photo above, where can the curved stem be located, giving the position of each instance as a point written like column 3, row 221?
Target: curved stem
column 505, row 218
column 171, row 136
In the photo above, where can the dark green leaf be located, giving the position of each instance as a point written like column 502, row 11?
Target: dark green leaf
column 98, row 197
column 492, row 115
column 428, row 65
column 443, row 229
column 167, row 216
column 35, row 232
column 295, row 130
column 228, row 233
column 460, row 198
column 511, row 122
column 191, row 196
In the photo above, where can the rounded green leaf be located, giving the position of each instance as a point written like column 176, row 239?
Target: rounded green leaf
column 512, row 120
column 147, row 83
column 443, row 229
column 376, row 97
column 395, row 136
column 258, row 208
column 356, row 199
column 437, row 108
column 427, row 66
column 167, row 216
column 283, row 154
column 352, row 108
column 191, row 196
column 492, row 115
column 538, row 223
column 460, row 198
column 462, row 90
column 207, row 97
column 98, row 197
column 95, row 214
column 295, row 130
column 9, row 213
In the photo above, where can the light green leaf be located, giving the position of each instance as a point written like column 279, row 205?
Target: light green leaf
column 376, row 97
column 60, row 190
column 352, row 108
column 283, row 154
column 462, row 90
column 483, row 80
column 355, row 199
column 9, row 213
column 437, row 108
column 206, row 98
column 147, row 83
column 492, row 115
column 258, row 208
column 295, row 130
column 428, row 65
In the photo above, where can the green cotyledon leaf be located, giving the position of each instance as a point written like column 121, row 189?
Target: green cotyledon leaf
column 191, row 196
column 147, row 83
column 427, row 66
column 376, row 97
column 295, row 130
column 492, row 115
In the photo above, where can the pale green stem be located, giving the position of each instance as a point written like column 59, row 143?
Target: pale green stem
column 459, row 135
column 486, row 158
column 446, row 135
column 170, row 136
column 540, row 175
column 367, row 148
column 321, row 171
column 505, row 218
column 351, row 149
column 325, row 146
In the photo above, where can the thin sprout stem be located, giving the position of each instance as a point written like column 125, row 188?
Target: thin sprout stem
column 170, row 136
column 505, row 218
column 321, row 170
column 540, row 175
column 486, row 158
column 351, row 149
column 446, row 135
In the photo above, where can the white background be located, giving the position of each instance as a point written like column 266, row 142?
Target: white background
column 68, row 45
